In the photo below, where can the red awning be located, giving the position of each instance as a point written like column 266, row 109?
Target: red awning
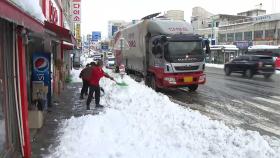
column 61, row 32
column 11, row 13
column 67, row 46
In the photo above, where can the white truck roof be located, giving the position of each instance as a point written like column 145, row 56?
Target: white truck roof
column 169, row 27
column 164, row 26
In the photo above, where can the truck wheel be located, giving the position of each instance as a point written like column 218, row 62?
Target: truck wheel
column 193, row 88
column 153, row 84
column 227, row 71
column 267, row 76
column 249, row 73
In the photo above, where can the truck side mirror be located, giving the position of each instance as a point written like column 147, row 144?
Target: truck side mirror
column 163, row 39
column 154, row 50
column 158, row 49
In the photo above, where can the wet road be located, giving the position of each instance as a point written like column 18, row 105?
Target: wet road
column 252, row 104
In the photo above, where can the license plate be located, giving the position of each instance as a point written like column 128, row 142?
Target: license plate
column 188, row 79
column 267, row 65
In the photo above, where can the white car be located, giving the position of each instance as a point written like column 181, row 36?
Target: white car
column 110, row 62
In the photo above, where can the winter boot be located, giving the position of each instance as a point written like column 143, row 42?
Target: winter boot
column 88, row 108
column 99, row 106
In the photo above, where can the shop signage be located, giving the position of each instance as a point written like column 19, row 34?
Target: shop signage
column 53, row 13
column 96, row 35
column 76, row 11
column 78, row 31
column 269, row 17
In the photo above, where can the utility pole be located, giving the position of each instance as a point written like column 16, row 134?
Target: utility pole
column 212, row 31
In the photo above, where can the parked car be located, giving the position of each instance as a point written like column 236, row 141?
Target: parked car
column 250, row 65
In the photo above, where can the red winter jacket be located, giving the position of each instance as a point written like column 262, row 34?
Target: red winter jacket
column 96, row 74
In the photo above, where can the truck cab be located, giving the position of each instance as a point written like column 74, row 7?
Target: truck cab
column 166, row 53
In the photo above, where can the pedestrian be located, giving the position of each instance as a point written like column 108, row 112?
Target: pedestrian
column 96, row 74
column 85, row 75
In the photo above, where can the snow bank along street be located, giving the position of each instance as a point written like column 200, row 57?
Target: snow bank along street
column 139, row 122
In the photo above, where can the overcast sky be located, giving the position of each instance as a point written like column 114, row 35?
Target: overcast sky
column 97, row 13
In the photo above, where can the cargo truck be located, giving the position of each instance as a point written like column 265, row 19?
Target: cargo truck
column 165, row 53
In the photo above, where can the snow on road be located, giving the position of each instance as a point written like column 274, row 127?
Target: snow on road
column 140, row 123
column 221, row 66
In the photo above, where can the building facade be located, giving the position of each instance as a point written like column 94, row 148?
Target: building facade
column 175, row 14
column 245, row 29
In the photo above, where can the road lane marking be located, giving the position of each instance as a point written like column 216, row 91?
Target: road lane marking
column 268, row 100
column 267, row 109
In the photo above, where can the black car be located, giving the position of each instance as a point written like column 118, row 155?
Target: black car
column 250, row 65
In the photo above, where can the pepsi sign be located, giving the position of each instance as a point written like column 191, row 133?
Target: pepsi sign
column 41, row 64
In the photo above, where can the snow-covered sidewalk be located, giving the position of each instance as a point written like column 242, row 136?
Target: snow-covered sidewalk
column 140, row 123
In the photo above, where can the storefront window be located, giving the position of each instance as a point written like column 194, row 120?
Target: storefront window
column 2, row 116
column 2, row 129
column 230, row 37
column 269, row 34
column 238, row 36
column 222, row 37
column 258, row 35
column 248, row 36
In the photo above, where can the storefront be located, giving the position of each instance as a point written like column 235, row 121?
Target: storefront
column 15, row 26
column 9, row 131
column 59, row 40
column 26, row 40
column 220, row 54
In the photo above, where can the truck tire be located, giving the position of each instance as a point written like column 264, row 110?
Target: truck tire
column 193, row 88
column 227, row 71
column 267, row 76
column 153, row 84
column 249, row 73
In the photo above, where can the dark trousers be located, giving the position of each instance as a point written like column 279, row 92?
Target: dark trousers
column 96, row 90
column 84, row 88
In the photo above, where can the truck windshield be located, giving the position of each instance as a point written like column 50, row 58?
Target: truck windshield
column 184, row 48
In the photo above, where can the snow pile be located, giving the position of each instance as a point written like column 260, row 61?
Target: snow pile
column 221, row 66
column 32, row 7
column 140, row 123
column 75, row 75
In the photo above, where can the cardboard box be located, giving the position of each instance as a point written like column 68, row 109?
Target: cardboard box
column 35, row 119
